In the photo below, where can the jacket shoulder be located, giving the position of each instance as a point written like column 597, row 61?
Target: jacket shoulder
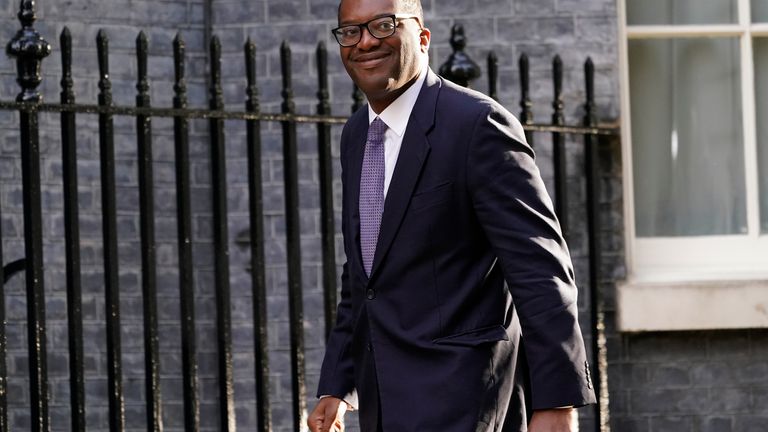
column 468, row 104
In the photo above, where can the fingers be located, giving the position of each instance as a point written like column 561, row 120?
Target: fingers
column 338, row 425
column 315, row 419
column 333, row 422
column 315, row 423
column 328, row 416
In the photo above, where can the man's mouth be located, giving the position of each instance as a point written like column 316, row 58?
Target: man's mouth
column 370, row 60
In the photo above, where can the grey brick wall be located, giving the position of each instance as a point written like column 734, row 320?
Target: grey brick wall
column 706, row 381
column 692, row 381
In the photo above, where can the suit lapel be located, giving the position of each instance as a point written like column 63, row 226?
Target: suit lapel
column 410, row 161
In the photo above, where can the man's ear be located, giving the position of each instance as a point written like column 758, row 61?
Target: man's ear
column 424, row 38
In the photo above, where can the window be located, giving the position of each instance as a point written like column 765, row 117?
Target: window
column 695, row 103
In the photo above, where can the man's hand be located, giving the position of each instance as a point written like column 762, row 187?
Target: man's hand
column 554, row 420
column 328, row 415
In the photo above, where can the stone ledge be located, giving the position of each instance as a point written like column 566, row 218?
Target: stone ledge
column 706, row 305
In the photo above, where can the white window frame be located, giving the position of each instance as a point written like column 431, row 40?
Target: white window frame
column 666, row 274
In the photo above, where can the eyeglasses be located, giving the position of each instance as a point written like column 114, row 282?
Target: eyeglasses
column 380, row 28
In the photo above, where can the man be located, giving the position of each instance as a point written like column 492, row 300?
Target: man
column 458, row 304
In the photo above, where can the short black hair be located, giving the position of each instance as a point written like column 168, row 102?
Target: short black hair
column 408, row 6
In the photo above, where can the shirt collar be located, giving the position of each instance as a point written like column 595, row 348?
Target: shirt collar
column 396, row 115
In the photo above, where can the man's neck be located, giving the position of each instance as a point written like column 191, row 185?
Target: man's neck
column 380, row 104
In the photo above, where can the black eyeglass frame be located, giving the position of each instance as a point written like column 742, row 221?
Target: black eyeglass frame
column 394, row 17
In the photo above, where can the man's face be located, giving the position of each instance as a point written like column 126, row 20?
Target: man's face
column 383, row 68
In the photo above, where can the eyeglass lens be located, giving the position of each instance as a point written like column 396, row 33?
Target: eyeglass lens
column 379, row 28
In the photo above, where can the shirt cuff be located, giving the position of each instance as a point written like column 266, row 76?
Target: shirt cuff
column 350, row 399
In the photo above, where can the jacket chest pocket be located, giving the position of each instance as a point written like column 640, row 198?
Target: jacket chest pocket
column 432, row 197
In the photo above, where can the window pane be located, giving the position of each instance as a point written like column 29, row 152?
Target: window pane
column 759, row 11
column 671, row 12
column 687, row 146
column 761, row 99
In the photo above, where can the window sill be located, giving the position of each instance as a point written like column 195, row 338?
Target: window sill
column 706, row 305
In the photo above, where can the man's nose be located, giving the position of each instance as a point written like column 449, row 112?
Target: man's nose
column 367, row 41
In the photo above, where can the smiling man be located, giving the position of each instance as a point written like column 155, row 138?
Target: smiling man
column 458, row 300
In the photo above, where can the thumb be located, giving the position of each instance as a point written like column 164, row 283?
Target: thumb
column 328, row 418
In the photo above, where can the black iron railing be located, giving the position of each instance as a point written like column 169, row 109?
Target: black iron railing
column 29, row 48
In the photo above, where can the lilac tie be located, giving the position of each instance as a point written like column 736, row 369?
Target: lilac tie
column 372, row 191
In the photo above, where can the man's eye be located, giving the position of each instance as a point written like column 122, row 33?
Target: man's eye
column 384, row 26
column 349, row 31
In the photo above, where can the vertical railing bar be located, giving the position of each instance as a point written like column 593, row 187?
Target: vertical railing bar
column 293, row 243
column 109, row 227
column 357, row 98
column 326, row 191
column 148, row 255
column 184, row 227
column 221, row 245
column 493, row 76
column 258, row 268
column 33, row 246
column 3, row 342
column 526, row 113
column 30, row 48
column 597, row 318
column 558, row 148
column 72, row 240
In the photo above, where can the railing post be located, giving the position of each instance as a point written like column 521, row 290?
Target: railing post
column 258, row 266
column 184, row 233
column 326, row 191
column 526, row 114
column 3, row 343
column 493, row 76
column 221, row 245
column 72, row 239
column 597, row 316
column 293, row 243
column 558, row 148
column 29, row 49
column 148, row 246
column 109, row 227
column 459, row 68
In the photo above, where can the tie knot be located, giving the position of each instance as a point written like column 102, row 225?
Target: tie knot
column 376, row 130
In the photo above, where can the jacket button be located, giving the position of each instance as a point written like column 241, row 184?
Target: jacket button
column 370, row 293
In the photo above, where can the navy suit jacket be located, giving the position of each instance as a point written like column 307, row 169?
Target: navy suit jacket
column 468, row 320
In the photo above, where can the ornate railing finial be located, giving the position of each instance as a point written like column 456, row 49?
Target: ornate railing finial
column 459, row 68
column 30, row 49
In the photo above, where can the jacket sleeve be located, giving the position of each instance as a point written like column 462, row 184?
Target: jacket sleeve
column 517, row 215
